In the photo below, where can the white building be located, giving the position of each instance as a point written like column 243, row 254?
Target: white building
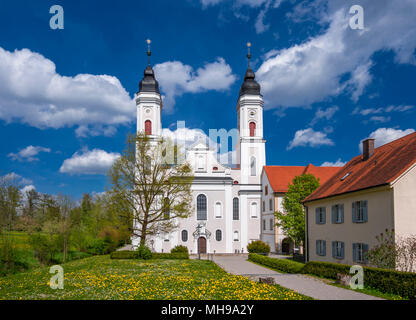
column 227, row 200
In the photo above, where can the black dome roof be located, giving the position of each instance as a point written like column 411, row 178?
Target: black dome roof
column 149, row 82
column 250, row 85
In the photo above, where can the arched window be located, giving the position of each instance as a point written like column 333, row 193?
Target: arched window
column 236, row 209
column 252, row 126
column 253, row 209
column 253, row 166
column 148, row 127
column 218, row 210
column 218, row 235
column 236, row 236
column 184, row 235
column 201, row 207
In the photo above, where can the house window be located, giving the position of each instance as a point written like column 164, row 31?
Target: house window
column 218, row 235
column 253, row 209
column 338, row 213
column 218, row 210
column 184, row 235
column 264, row 224
column 264, row 206
column 236, row 236
column 271, row 225
column 236, row 209
column 320, row 214
column 359, row 252
column 201, row 207
column 252, row 127
column 253, row 166
column 321, row 247
column 271, row 204
column 338, row 249
column 148, row 127
column 266, row 190
column 359, row 211
column 201, row 163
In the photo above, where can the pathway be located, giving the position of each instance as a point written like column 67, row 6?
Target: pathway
column 303, row 284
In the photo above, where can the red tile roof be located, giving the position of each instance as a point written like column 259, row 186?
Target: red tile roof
column 384, row 167
column 281, row 176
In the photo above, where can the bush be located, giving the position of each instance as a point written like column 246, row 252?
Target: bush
column 100, row 246
column 384, row 280
column 180, row 255
column 284, row 265
column 124, row 254
column 144, row 253
column 258, row 247
column 179, row 249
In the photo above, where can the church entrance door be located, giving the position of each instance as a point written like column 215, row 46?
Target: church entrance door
column 202, row 245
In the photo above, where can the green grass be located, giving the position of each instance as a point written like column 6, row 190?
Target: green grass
column 100, row 277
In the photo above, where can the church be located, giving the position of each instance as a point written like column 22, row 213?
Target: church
column 229, row 202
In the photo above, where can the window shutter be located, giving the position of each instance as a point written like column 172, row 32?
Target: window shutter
column 323, row 247
column 354, row 252
column 365, row 211
column 317, row 248
column 324, row 215
column 334, row 217
column 365, row 251
column 333, row 249
column 342, row 250
column 317, row 215
column 353, row 212
column 342, row 213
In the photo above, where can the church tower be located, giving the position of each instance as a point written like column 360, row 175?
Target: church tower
column 149, row 103
column 251, row 154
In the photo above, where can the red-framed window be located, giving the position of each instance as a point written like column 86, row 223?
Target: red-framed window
column 252, row 126
column 148, row 127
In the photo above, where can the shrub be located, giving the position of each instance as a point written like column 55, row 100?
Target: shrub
column 124, row 254
column 179, row 249
column 258, row 247
column 284, row 265
column 180, row 255
column 98, row 246
column 384, row 280
column 144, row 253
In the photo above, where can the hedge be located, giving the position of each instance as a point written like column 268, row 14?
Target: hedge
column 387, row 281
column 135, row 255
column 284, row 265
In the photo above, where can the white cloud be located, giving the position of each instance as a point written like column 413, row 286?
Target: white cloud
column 28, row 154
column 17, row 178
column 386, row 135
column 380, row 119
column 27, row 188
column 89, row 162
column 338, row 163
column 309, row 137
column 324, row 114
column 339, row 59
column 175, row 78
column 32, row 92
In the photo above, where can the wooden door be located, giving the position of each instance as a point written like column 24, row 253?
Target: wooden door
column 202, row 245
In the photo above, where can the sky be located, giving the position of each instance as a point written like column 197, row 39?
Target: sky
column 67, row 95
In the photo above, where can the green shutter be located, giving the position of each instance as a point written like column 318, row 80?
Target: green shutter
column 365, row 251
column 334, row 217
column 365, row 210
column 333, row 249
column 342, row 213
column 353, row 212
column 324, row 215
column 354, row 252
column 317, row 215
column 317, row 247
column 342, row 250
column 324, row 248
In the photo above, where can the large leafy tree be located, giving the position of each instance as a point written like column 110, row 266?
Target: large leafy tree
column 292, row 219
column 149, row 187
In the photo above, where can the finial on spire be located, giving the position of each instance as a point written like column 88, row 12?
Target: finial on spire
column 149, row 53
column 248, row 54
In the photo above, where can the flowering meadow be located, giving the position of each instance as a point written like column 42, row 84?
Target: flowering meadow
column 100, row 278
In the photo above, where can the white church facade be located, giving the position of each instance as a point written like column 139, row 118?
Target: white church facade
column 227, row 201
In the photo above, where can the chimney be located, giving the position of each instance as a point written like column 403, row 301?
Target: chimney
column 368, row 148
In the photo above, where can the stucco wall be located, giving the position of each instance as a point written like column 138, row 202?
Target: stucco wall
column 380, row 218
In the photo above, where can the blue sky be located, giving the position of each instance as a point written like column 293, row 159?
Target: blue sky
column 66, row 95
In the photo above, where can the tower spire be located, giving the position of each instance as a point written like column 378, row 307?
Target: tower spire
column 248, row 54
column 149, row 52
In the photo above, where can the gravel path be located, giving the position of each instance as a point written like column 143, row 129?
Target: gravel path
column 303, row 284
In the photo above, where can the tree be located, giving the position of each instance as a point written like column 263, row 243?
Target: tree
column 292, row 219
column 152, row 191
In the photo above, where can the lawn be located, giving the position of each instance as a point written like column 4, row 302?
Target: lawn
column 100, row 277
